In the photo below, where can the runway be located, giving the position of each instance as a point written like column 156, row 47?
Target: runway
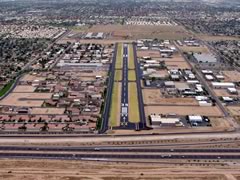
column 124, row 94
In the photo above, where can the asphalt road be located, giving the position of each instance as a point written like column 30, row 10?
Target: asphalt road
column 118, row 149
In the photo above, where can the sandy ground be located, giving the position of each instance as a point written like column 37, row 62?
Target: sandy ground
column 80, row 170
column 233, row 76
column 201, row 49
column 151, row 53
column 92, row 74
column 48, row 111
column 234, row 110
column 95, row 41
column 29, row 77
column 174, row 59
column 223, row 92
column 177, row 65
column 25, row 99
column 216, row 38
column 184, row 110
column 154, row 96
column 24, row 88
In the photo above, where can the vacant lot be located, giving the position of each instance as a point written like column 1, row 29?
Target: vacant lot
column 233, row 76
column 201, row 49
column 83, row 170
column 25, row 99
column 177, row 65
column 223, row 92
column 114, row 119
column 90, row 74
column 29, row 77
column 174, row 58
column 133, row 103
column 184, row 110
column 216, row 38
column 48, row 111
column 234, row 110
column 24, row 88
column 154, row 96
column 131, row 64
column 151, row 53
column 141, row 32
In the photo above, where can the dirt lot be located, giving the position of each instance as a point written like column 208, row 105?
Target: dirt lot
column 140, row 32
column 154, row 96
column 234, row 110
column 177, row 65
column 175, row 58
column 79, row 170
column 48, row 111
column 232, row 76
column 151, row 53
column 223, row 92
column 216, row 38
column 24, row 89
column 201, row 49
column 184, row 110
column 162, row 73
column 25, row 99
column 95, row 41
column 93, row 74
column 29, row 77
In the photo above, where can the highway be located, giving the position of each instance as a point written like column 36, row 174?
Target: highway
column 67, row 156
column 120, row 149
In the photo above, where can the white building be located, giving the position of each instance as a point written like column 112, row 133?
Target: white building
column 158, row 120
column 205, row 58
column 223, row 85
column 195, row 119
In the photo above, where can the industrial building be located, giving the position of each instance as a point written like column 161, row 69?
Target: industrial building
column 205, row 58
column 223, row 85
column 157, row 120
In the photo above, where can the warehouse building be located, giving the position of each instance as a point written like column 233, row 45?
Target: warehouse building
column 205, row 58
column 157, row 120
column 223, row 85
